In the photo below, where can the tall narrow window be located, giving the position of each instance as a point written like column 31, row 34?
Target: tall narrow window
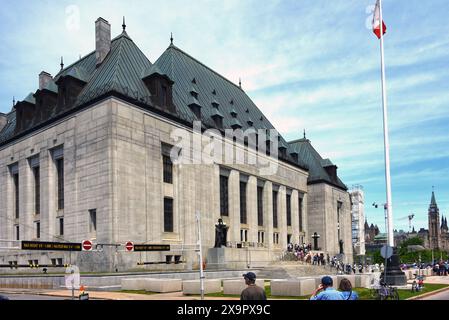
column 243, row 215
column 37, row 190
column 93, row 220
column 224, row 200
column 289, row 210
column 38, row 230
column 15, row 178
column 168, row 169
column 300, row 213
column 60, row 178
column 275, row 209
column 61, row 226
column 17, row 232
column 339, row 205
column 168, row 215
column 260, row 206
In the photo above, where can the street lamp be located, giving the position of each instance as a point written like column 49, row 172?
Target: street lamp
column 315, row 238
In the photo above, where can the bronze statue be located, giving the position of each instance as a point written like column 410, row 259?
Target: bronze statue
column 221, row 232
column 341, row 246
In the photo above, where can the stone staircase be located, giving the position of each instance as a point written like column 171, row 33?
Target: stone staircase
column 291, row 270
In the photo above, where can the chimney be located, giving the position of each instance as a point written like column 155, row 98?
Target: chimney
column 102, row 39
column 3, row 121
column 44, row 79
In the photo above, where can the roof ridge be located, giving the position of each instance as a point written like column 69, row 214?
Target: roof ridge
column 172, row 46
column 91, row 53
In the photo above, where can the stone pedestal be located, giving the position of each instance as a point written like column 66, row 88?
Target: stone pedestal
column 237, row 258
column 394, row 275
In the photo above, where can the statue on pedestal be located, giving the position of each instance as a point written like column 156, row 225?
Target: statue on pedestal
column 221, row 232
column 341, row 246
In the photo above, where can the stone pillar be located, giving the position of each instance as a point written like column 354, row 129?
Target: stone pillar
column 234, row 207
column 268, row 213
column 252, row 209
column 26, row 200
column 282, row 217
column 48, row 198
column 295, row 217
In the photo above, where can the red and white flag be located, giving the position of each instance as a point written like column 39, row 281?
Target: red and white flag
column 376, row 21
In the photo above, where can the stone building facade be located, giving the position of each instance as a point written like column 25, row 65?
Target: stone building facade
column 90, row 155
column 358, row 218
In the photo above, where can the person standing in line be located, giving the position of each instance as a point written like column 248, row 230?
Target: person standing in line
column 252, row 292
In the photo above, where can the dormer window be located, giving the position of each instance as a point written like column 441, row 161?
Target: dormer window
column 250, row 122
column 215, row 104
column 217, row 117
column 194, row 93
column 214, row 92
column 195, row 106
column 295, row 156
column 160, row 87
column 283, row 151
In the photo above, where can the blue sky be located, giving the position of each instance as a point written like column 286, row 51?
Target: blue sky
column 310, row 65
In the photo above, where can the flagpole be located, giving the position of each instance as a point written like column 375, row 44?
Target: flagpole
column 390, row 235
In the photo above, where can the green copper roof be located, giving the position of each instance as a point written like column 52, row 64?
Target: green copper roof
column 433, row 202
column 315, row 163
column 30, row 98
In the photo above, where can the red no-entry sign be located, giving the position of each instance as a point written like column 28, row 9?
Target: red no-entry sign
column 129, row 246
column 87, row 245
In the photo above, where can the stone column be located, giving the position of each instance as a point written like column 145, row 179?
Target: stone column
column 234, row 207
column 252, row 209
column 282, row 217
column 295, row 216
column 268, row 213
column 26, row 202
column 48, row 198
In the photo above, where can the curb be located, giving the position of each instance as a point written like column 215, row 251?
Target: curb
column 428, row 294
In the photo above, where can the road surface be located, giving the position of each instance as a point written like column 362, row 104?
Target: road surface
column 439, row 296
column 14, row 296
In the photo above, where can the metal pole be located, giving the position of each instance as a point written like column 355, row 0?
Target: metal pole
column 200, row 253
column 390, row 235
column 386, row 259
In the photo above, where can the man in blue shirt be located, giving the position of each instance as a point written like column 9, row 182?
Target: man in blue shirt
column 325, row 291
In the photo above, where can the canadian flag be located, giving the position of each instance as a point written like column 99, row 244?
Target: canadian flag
column 376, row 21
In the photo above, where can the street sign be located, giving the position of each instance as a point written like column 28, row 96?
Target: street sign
column 87, row 245
column 129, row 246
column 51, row 246
column 386, row 252
column 151, row 247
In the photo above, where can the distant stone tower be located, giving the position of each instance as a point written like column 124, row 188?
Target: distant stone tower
column 434, row 224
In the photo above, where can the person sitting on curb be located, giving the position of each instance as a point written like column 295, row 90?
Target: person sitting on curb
column 326, row 291
column 346, row 290
column 252, row 292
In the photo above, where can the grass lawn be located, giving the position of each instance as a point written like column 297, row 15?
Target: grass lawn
column 365, row 294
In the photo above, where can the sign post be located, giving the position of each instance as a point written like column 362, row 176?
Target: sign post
column 200, row 254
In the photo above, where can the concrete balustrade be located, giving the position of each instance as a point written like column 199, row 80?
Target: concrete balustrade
column 193, row 286
column 163, row 285
column 236, row 286
column 292, row 288
column 133, row 284
column 362, row 281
